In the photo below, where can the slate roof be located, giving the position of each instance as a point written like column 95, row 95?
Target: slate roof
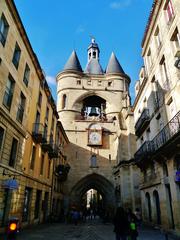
column 114, row 65
column 73, row 63
column 94, row 67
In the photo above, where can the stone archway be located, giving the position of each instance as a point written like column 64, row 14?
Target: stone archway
column 94, row 181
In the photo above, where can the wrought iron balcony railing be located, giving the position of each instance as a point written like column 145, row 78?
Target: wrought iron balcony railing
column 38, row 133
column 54, row 152
column 62, row 171
column 142, row 122
column 166, row 134
column 171, row 128
column 144, row 151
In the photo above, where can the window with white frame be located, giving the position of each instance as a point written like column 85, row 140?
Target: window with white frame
column 176, row 39
column 169, row 10
column 157, row 37
column 165, row 78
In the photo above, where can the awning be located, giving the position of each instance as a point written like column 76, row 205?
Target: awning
column 11, row 184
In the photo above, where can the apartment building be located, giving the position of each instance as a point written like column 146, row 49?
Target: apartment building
column 29, row 141
column 157, row 117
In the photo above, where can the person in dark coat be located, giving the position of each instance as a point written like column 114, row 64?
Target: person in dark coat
column 121, row 224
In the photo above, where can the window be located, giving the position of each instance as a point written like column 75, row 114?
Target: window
column 64, row 101
column 149, row 59
column 169, row 10
column 93, row 161
column 13, row 154
column 157, row 38
column 26, row 207
column 8, row 95
column 109, row 83
column 47, row 113
column 165, row 80
column 37, row 204
column 94, row 54
column 78, row 82
column 40, row 99
column 42, row 164
column 33, row 157
column 1, row 137
column 21, row 107
column 4, row 27
column 16, row 56
column 176, row 39
column 49, row 168
column 52, row 124
column 45, row 131
column 26, row 74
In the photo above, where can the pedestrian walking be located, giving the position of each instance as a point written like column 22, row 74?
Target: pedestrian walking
column 121, row 224
column 138, row 216
column 75, row 217
column 133, row 233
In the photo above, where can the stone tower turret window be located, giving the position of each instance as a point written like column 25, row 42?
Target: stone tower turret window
column 64, row 100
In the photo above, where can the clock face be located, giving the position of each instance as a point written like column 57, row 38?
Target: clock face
column 95, row 138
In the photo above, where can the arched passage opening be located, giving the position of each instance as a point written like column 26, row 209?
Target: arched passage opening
column 100, row 185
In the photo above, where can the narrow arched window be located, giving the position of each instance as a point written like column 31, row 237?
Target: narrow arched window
column 64, row 100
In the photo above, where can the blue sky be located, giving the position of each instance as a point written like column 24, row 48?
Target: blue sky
column 57, row 27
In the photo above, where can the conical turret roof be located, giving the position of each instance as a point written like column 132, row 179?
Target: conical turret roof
column 73, row 63
column 93, row 67
column 114, row 65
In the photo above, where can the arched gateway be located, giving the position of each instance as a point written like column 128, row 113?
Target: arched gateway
column 99, row 124
column 93, row 181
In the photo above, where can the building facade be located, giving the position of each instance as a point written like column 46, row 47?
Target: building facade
column 30, row 135
column 94, row 108
column 156, row 112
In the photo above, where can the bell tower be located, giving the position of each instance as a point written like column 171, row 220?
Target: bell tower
column 99, row 126
column 93, row 50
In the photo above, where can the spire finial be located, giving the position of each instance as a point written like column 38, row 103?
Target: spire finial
column 92, row 39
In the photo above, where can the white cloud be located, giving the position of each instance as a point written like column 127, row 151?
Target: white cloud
column 120, row 4
column 80, row 29
column 51, row 80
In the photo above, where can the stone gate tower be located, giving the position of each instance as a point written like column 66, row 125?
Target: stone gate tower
column 94, row 108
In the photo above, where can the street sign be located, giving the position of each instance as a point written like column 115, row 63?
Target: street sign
column 177, row 176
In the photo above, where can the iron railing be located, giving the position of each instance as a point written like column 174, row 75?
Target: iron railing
column 145, row 117
column 171, row 128
column 143, row 151
column 167, row 133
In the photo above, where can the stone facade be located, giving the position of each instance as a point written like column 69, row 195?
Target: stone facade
column 156, row 113
column 96, row 101
column 28, row 121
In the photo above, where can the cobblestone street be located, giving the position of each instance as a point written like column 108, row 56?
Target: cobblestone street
column 84, row 231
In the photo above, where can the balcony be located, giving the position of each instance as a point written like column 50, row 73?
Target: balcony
column 47, row 145
column 54, row 152
column 144, row 152
column 167, row 133
column 38, row 133
column 62, row 171
column 142, row 122
column 166, row 140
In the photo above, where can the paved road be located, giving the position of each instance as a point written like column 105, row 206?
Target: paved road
column 85, row 231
